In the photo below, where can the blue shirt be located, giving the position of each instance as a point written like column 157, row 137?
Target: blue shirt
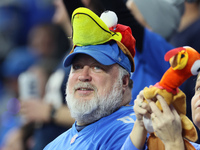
column 108, row 133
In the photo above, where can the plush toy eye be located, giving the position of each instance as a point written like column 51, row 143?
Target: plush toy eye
column 182, row 55
column 195, row 67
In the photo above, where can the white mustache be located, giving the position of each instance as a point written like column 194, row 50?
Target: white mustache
column 85, row 85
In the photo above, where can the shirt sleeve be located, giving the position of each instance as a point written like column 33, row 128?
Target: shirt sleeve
column 129, row 145
column 196, row 146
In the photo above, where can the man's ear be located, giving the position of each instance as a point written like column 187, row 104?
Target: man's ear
column 125, row 81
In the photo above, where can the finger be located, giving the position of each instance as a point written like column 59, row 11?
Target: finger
column 140, row 96
column 147, row 107
column 154, row 119
column 139, row 109
column 164, row 104
column 139, row 100
column 153, row 116
column 155, row 122
column 142, row 104
column 173, row 110
column 154, row 108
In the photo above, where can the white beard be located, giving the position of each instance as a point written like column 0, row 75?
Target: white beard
column 88, row 111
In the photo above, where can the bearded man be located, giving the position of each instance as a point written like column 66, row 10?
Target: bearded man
column 101, row 65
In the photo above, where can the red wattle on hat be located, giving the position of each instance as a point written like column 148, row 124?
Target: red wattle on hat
column 127, row 38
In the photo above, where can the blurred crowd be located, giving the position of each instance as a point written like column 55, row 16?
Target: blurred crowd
column 35, row 36
column 32, row 40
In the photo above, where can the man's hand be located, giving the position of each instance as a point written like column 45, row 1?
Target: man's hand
column 35, row 110
column 167, row 124
column 141, row 109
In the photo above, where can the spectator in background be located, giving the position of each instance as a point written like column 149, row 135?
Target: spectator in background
column 56, row 117
column 13, row 140
column 42, row 47
column 19, row 138
column 40, row 43
column 195, row 103
column 161, row 16
column 10, row 25
column 62, row 18
column 17, row 18
column 188, row 35
column 15, row 63
column 34, row 12
column 45, row 108
column 46, row 45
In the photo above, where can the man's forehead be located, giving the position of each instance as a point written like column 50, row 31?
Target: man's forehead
column 198, row 78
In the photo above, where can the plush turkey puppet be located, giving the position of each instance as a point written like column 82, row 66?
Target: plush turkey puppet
column 184, row 62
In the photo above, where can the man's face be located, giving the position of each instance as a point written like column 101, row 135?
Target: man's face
column 196, row 104
column 92, row 88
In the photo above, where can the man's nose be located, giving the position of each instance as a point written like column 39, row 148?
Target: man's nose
column 85, row 74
